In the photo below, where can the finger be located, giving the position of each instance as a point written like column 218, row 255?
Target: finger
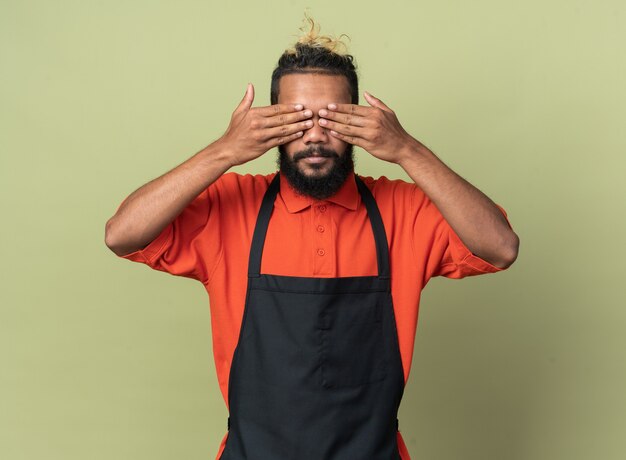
column 352, row 109
column 354, row 140
column 277, row 109
column 283, row 139
column 247, row 100
column 288, row 118
column 348, row 130
column 375, row 102
column 345, row 118
column 287, row 130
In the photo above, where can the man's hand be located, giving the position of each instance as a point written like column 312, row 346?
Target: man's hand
column 375, row 129
column 253, row 131
column 472, row 215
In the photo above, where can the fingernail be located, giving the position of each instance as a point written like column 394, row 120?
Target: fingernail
column 308, row 113
column 323, row 112
column 332, row 106
column 299, row 107
column 323, row 122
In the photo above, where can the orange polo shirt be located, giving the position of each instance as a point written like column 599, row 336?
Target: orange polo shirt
column 210, row 241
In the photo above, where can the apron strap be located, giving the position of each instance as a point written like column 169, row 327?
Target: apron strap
column 380, row 237
column 265, row 212
column 260, row 229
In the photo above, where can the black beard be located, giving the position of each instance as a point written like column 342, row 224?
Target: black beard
column 319, row 187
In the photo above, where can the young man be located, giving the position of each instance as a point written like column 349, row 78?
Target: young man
column 314, row 273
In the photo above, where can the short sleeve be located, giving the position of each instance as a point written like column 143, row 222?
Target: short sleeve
column 447, row 255
column 186, row 246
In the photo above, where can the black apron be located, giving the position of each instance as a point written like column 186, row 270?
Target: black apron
column 316, row 374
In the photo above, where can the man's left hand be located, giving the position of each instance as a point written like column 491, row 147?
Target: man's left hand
column 375, row 129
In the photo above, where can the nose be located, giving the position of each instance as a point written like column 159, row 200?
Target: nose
column 315, row 134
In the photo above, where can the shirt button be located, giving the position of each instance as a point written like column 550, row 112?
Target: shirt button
column 320, row 228
column 322, row 208
column 321, row 252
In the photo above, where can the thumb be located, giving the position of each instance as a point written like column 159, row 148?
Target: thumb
column 248, row 98
column 375, row 102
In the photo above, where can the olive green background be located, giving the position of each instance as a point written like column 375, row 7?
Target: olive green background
column 102, row 358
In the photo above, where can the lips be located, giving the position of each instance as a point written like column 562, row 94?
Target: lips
column 315, row 159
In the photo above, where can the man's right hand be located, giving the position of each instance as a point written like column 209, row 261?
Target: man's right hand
column 253, row 131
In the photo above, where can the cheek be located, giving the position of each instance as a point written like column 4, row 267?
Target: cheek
column 290, row 147
column 338, row 144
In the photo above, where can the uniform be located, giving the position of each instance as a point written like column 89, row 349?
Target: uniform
column 320, row 242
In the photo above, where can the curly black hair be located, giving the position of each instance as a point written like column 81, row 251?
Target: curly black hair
column 316, row 54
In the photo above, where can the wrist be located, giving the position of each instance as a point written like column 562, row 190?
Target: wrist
column 412, row 151
column 219, row 152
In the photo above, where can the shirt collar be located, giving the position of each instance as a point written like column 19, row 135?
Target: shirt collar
column 347, row 196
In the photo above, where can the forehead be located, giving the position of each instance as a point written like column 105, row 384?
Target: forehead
column 313, row 90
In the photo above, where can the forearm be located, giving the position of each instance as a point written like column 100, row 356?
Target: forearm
column 472, row 215
column 149, row 209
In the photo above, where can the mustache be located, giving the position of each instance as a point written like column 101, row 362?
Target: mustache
column 315, row 152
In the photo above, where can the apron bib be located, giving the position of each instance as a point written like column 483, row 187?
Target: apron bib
column 317, row 373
